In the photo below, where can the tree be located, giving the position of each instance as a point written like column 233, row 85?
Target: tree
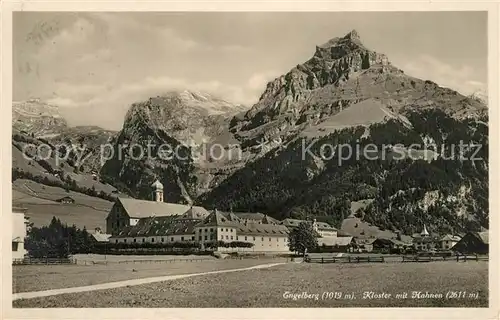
column 303, row 238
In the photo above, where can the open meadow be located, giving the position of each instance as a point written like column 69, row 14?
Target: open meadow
column 287, row 285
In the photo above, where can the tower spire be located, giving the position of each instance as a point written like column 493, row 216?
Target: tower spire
column 157, row 191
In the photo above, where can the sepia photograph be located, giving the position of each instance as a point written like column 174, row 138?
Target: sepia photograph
column 250, row 159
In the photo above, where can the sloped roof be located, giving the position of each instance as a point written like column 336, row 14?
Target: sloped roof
column 484, row 236
column 217, row 218
column 195, row 213
column 291, row 223
column 364, row 240
column 159, row 226
column 334, row 241
column 248, row 216
column 260, row 229
column 325, row 226
column 143, row 208
column 450, row 237
column 342, row 233
column 101, row 237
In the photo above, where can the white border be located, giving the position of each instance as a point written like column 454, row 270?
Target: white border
column 303, row 313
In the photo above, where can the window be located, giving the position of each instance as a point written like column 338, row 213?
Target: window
column 192, row 238
column 227, row 230
column 135, row 240
column 237, row 238
column 262, row 239
column 253, row 238
column 182, row 238
column 152, row 239
column 116, row 241
column 245, row 238
column 227, row 237
column 125, row 240
column 211, row 237
column 162, row 239
column 231, row 237
column 269, row 239
column 222, row 237
column 206, row 238
column 172, row 239
column 206, row 230
column 211, row 229
column 199, row 238
column 231, row 230
column 143, row 240
column 14, row 246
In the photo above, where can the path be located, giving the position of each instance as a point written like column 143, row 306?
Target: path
column 127, row 283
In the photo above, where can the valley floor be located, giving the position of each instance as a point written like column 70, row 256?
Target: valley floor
column 271, row 287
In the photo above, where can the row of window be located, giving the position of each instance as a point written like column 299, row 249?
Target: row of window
column 212, row 230
column 200, row 238
column 162, row 239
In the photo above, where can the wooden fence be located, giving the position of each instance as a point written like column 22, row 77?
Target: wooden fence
column 347, row 259
column 30, row 261
column 456, row 258
column 381, row 259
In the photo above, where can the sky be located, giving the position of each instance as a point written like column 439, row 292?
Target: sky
column 95, row 65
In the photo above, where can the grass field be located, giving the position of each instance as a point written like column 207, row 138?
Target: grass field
column 42, row 277
column 275, row 286
column 40, row 201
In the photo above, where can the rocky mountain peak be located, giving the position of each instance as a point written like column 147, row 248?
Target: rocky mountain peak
column 352, row 35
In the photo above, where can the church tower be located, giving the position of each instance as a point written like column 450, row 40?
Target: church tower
column 157, row 191
column 424, row 232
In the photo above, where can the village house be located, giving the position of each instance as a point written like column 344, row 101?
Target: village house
column 19, row 231
column 449, row 241
column 336, row 244
column 322, row 228
column 425, row 242
column 66, row 200
column 363, row 244
column 127, row 211
column 473, row 242
column 99, row 237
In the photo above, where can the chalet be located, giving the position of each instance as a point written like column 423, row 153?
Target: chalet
column 127, row 211
column 66, row 200
column 335, row 244
column 363, row 244
column 448, row 241
column 473, row 242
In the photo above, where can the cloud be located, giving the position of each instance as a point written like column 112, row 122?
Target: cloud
column 460, row 78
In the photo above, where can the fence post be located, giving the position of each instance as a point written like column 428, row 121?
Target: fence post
column 368, row 258
column 357, row 258
column 383, row 259
column 349, row 259
column 321, row 259
column 477, row 257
